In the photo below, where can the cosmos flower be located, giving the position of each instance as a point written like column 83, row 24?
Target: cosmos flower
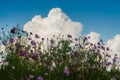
column 33, row 42
column 40, row 78
column 37, row 36
column 22, row 53
column 31, row 76
column 108, row 63
column 107, row 49
column 11, row 40
column 52, row 41
column 66, row 71
column 13, row 30
column 69, row 36
column 4, row 42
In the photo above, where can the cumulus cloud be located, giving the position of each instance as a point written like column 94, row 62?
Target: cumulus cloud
column 114, row 44
column 94, row 37
column 57, row 22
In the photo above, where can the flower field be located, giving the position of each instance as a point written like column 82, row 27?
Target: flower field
column 61, row 57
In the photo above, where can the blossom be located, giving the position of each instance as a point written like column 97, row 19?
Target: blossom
column 108, row 63
column 4, row 42
column 52, row 41
column 114, row 60
column 69, row 36
column 11, row 40
column 31, row 76
column 107, row 49
column 40, row 78
column 33, row 42
column 66, row 71
column 37, row 36
column 22, row 53
column 34, row 56
column 13, row 30
column 98, row 43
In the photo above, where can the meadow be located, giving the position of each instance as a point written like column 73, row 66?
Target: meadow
column 61, row 57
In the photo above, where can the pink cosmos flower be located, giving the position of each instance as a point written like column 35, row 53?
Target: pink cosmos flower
column 40, row 78
column 66, row 71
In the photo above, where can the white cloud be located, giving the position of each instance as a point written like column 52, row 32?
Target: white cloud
column 114, row 44
column 94, row 37
column 55, row 23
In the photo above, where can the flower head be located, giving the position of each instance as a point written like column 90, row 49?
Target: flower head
column 4, row 42
column 52, row 41
column 33, row 42
column 40, row 78
column 107, row 49
column 69, row 36
column 13, row 30
column 37, row 36
column 31, row 76
column 22, row 53
column 66, row 71
column 108, row 63
column 11, row 40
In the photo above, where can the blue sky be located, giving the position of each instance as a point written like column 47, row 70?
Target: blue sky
column 102, row 16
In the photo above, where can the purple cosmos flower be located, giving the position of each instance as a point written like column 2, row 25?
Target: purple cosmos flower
column 33, row 42
column 4, row 42
column 114, row 60
column 66, row 71
column 31, row 76
column 52, row 41
column 40, row 78
column 98, row 46
column 108, row 55
column 11, row 40
column 22, row 53
column 76, row 39
column 69, row 36
column 98, row 43
column 37, row 36
column 34, row 56
column 91, row 44
column 108, row 63
column 107, row 49
column 13, row 30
